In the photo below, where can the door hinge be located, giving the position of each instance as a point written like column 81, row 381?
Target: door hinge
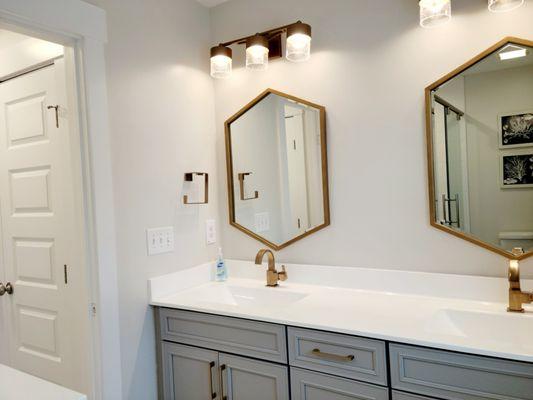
column 92, row 309
column 294, row 144
column 65, row 273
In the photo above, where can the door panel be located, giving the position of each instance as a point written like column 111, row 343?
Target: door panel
column 190, row 373
column 244, row 379
column 40, row 235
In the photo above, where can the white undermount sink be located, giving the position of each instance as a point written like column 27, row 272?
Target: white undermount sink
column 244, row 296
column 485, row 326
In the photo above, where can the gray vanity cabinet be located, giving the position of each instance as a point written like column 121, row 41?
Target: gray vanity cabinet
column 243, row 379
column 203, row 356
column 307, row 385
column 190, row 373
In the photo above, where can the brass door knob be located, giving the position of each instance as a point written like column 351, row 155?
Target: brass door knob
column 2, row 289
column 9, row 288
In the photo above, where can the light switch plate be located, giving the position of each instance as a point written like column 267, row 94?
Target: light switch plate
column 262, row 222
column 210, row 231
column 160, row 240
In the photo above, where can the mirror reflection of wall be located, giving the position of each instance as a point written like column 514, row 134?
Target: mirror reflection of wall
column 276, row 149
column 483, row 150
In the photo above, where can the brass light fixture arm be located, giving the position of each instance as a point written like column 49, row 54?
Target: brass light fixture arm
column 242, row 176
column 189, row 178
column 517, row 297
column 270, row 33
column 273, row 276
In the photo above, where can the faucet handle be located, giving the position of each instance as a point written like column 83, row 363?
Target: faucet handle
column 282, row 276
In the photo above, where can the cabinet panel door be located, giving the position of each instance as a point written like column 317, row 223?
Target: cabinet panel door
column 244, row 379
column 189, row 373
column 307, row 385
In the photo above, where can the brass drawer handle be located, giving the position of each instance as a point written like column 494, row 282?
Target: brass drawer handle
column 334, row 357
column 222, row 369
column 211, row 366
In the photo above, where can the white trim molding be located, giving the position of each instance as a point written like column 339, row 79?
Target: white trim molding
column 83, row 26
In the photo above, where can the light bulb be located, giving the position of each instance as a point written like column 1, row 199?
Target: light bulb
column 510, row 52
column 504, row 5
column 221, row 62
column 257, row 53
column 434, row 12
column 298, row 42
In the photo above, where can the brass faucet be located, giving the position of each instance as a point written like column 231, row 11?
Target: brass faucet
column 516, row 296
column 273, row 276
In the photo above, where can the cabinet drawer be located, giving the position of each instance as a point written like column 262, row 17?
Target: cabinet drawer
column 350, row 357
column 456, row 376
column 306, row 385
column 233, row 335
column 407, row 396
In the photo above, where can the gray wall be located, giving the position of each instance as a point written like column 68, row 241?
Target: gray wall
column 369, row 66
column 162, row 125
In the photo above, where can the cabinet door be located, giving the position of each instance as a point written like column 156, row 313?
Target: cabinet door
column 308, row 385
column 244, row 379
column 189, row 373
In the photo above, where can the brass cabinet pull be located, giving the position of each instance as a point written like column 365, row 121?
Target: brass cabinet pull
column 211, row 366
column 242, row 176
column 334, row 357
column 189, row 178
column 222, row 369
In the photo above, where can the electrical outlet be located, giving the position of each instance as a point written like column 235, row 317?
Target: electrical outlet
column 160, row 240
column 262, row 222
column 210, row 231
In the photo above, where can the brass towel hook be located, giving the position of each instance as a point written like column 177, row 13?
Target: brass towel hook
column 242, row 175
column 189, row 178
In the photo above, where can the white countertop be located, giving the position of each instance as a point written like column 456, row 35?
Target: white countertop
column 452, row 312
column 17, row 385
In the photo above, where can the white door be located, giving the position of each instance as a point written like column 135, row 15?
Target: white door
column 47, row 313
column 297, row 177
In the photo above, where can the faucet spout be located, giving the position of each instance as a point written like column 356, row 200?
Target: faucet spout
column 517, row 297
column 273, row 276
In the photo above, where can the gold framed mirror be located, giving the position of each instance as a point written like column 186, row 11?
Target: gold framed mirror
column 479, row 124
column 276, row 162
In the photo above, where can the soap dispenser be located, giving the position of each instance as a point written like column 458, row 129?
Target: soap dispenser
column 221, row 271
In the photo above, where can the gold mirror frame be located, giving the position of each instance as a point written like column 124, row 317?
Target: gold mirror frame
column 324, row 161
column 429, row 144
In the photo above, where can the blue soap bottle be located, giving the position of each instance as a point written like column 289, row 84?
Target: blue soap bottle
column 221, row 272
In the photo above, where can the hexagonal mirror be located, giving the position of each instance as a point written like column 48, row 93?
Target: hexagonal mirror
column 480, row 149
column 277, row 169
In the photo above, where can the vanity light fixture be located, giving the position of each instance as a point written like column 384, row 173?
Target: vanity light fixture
column 257, row 52
column 434, row 12
column 504, row 5
column 298, row 42
column 221, row 61
column 263, row 46
column 510, row 52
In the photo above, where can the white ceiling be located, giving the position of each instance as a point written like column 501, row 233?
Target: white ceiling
column 211, row 3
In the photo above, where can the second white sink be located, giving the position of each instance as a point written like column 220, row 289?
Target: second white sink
column 500, row 327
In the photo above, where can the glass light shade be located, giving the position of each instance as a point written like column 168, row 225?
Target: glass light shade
column 434, row 12
column 504, row 5
column 221, row 61
column 298, row 42
column 257, row 53
column 220, row 66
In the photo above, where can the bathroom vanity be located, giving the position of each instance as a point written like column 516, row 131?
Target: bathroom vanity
column 241, row 340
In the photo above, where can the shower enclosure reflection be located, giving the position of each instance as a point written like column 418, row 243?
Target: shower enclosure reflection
column 482, row 149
